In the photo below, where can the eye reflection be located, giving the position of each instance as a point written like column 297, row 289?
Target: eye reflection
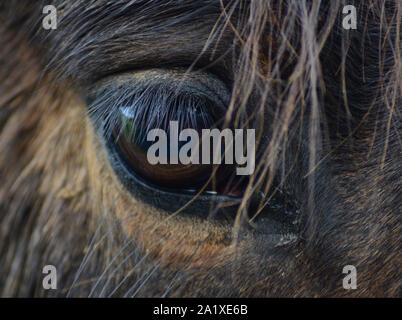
column 134, row 146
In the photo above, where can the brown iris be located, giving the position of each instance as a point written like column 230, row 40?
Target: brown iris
column 134, row 146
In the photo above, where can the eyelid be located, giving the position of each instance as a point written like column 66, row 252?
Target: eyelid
column 174, row 79
column 154, row 96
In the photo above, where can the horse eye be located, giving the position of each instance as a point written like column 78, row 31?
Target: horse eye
column 127, row 109
column 133, row 147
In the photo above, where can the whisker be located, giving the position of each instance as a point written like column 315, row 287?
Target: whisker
column 161, row 260
column 86, row 257
column 109, row 266
column 171, row 283
column 135, row 267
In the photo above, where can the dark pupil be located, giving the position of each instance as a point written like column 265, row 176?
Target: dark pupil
column 132, row 140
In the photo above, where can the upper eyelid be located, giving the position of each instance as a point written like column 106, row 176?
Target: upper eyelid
column 111, row 93
column 199, row 81
column 90, row 60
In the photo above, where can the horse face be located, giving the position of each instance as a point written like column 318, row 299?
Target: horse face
column 78, row 103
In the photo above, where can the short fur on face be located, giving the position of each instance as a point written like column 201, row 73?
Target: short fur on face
column 326, row 103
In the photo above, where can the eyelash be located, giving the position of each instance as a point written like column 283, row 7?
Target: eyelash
column 151, row 107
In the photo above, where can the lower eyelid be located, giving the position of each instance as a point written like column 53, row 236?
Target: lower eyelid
column 168, row 200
